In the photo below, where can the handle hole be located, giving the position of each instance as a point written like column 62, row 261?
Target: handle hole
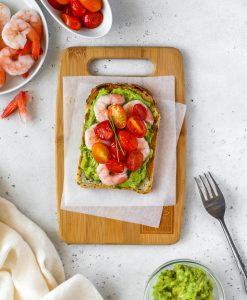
column 121, row 67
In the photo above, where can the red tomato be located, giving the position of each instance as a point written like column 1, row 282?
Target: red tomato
column 140, row 111
column 63, row 2
column 101, row 153
column 118, row 114
column 56, row 5
column 127, row 140
column 71, row 21
column 136, row 126
column 114, row 166
column 78, row 9
column 113, row 149
column 92, row 5
column 68, row 10
column 134, row 160
column 92, row 19
column 103, row 130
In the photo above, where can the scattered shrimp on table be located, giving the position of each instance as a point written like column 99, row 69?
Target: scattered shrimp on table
column 19, row 102
column 10, row 108
column 91, row 138
column 16, row 33
column 111, row 179
column 100, row 107
column 5, row 15
column 13, row 63
column 22, row 106
column 129, row 110
column 143, row 147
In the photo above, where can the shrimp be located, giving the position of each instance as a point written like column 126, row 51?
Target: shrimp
column 2, row 77
column 16, row 33
column 4, row 14
column 111, row 179
column 100, row 107
column 14, row 64
column 91, row 138
column 19, row 102
column 4, row 19
column 22, row 106
column 143, row 147
column 31, row 17
column 10, row 108
column 129, row 110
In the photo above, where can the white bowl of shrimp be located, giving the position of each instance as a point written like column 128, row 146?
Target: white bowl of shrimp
column 23, row 43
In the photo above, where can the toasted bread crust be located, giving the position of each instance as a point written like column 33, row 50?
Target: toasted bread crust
column 146, row 186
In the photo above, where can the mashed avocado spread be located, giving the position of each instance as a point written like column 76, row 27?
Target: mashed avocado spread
column 89, row 165
column 183, row 282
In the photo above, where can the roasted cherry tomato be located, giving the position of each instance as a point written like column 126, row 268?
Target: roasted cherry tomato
column 101, row 153
column 114, row 166
column 113, row 149
column 134, row 160
column 71, row 21
column 67, row 10
column 56, row 5
column 103, row 130
column 92, row 5
column 127, row 140
column 92, row 19
column 136, row 126
column 63, row 2
column 117, row 113
column 78, row 10
column 140, row 111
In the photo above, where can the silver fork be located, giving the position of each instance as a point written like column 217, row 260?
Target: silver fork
column 214, row 203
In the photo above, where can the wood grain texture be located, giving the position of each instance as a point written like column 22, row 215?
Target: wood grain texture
column 85, row 229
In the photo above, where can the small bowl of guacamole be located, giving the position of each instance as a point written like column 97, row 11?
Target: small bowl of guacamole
column 183, row 279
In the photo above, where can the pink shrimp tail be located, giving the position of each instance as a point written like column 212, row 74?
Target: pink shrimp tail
column 22, row 106
column 34, row 37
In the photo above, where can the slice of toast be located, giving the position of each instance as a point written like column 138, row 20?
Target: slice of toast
column 146, row 185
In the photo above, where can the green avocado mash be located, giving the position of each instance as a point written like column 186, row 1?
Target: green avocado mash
column 89, row 165
column 183, row 282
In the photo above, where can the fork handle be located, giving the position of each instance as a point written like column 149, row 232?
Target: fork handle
column 236, row 255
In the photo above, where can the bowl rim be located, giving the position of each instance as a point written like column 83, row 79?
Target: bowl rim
column 42, row 59
column 189, row 261
column 78, row 33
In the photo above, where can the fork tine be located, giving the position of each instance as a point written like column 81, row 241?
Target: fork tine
column 200, row 190
column 210, row 185
column 216, row 185
column 207, row 193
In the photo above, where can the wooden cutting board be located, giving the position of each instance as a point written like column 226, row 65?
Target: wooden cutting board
column 86, row 229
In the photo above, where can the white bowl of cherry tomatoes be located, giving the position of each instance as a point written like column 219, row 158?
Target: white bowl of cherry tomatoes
column 86, row 18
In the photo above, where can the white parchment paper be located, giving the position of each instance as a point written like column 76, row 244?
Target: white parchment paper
column 73, row 96
column 149, row 216
column 164, row 189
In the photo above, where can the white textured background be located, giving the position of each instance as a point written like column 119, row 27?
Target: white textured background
column 212, row 36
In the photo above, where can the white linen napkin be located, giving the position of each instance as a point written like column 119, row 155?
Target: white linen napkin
column 30, row 268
